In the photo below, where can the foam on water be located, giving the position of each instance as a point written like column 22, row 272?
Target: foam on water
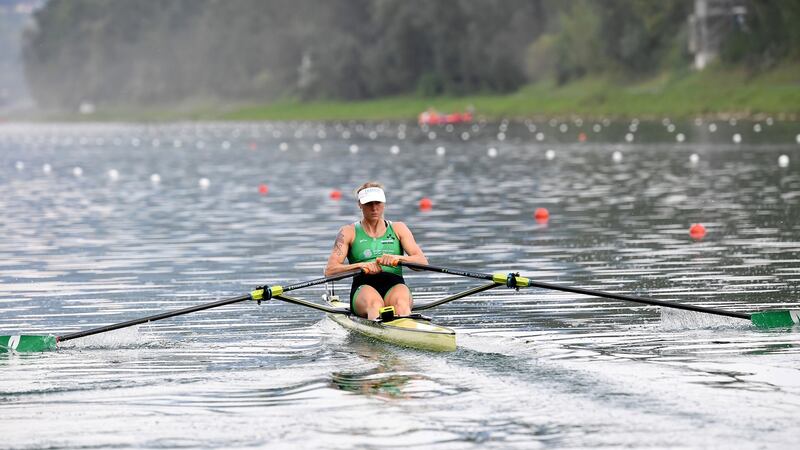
column 676, row 319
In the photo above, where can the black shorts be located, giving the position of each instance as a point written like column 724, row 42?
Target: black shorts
column 382, row 282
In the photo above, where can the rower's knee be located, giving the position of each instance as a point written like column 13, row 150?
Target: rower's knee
column 368, row 303
column 400, row 298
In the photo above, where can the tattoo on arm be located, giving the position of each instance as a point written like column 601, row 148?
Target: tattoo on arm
column 339, row 243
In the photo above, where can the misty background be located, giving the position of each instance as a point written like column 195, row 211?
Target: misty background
column 161, row 52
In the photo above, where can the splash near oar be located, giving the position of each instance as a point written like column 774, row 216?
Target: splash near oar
column 761, row 319
column 42, row 343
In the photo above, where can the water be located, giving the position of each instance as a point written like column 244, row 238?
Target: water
column 534, row 369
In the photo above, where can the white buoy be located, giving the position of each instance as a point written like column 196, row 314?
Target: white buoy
column 77, row 171
column 770, row 121
column 225, row 145
column 680, row 137
column 616, row 156
column 46, row 168
column 204, row 183
column 394, row 149
column 757, row 128
column 797, row 138
column 629, row 137
column 353, row 149
column 113, row 175
column 783, row 161
column 465, row 136
column 492, row 152
column 431, row 135
column 597, row 128
column 373, row 135
column 440, row 151
column 155, row 178
column 712, row 127
column 283, row 146
column 563, row 128
column 737, row 138
column 317, row 148
column 501, row 136
column 550, row 154
column 694, row 158
column 20, row 166
column 540, row 136
column 401, row 135
column 346, row 134
column 671, row 128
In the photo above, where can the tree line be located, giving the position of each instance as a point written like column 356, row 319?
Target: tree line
column 144, row 52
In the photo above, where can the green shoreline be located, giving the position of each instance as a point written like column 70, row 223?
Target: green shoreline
column 714, row 92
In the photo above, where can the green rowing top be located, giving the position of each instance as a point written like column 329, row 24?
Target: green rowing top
column 367, row 248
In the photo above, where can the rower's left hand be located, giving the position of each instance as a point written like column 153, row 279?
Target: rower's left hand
column 388, row 260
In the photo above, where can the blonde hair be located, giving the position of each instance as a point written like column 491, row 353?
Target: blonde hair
column 367, row 185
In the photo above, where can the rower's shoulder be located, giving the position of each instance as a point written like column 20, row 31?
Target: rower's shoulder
column 400, row 227
column 348, row 230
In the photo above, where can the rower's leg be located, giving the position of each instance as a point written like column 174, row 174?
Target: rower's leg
column 368, row 302
column 399, row 296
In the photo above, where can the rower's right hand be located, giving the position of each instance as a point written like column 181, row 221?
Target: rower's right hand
column 371, row 268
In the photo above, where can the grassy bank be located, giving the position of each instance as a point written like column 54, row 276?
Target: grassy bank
column 712, row 92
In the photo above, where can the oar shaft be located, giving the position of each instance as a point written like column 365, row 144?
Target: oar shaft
column 630, row 298
column 152, row 318
column 456, row 296
column 463, row 273
column 192, row 309
column 646, row 301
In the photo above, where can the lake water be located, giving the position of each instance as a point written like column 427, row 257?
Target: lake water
column 103, row 223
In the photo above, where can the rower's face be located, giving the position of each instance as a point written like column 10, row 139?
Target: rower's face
column 372, row 210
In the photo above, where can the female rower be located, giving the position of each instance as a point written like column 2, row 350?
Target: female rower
column 376, row 246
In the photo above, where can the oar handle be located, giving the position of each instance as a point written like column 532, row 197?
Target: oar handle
column 519, row 281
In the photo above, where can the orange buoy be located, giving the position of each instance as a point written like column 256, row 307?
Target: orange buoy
column 425, row 204
column 336, row 194
column 697, row 231
column 541, row 215
column 263, row 189
column 582, row 137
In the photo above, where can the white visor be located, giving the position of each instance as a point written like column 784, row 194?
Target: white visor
column 371, row 194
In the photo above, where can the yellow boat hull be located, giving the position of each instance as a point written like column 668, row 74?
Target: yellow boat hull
column 408, row 332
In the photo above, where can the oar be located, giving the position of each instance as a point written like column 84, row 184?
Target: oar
column 761, row 319
column 40, row 343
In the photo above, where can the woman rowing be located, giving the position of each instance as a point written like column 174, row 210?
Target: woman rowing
column 376, row 246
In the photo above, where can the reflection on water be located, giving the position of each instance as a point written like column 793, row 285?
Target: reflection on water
column 91, row 239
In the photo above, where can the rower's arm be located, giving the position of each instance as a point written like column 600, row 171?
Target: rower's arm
column 336, row 260
column 413, row 252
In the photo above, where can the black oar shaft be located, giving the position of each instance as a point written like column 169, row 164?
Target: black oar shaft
column 629, row 298
column 152, row 318
column 456, row 296
column 646, row 301
column 301, row 302
column 192, row 309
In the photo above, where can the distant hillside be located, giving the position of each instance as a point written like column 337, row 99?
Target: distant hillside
column 166, row 52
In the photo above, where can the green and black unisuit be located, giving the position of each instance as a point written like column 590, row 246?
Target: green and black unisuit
column 366, row 248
